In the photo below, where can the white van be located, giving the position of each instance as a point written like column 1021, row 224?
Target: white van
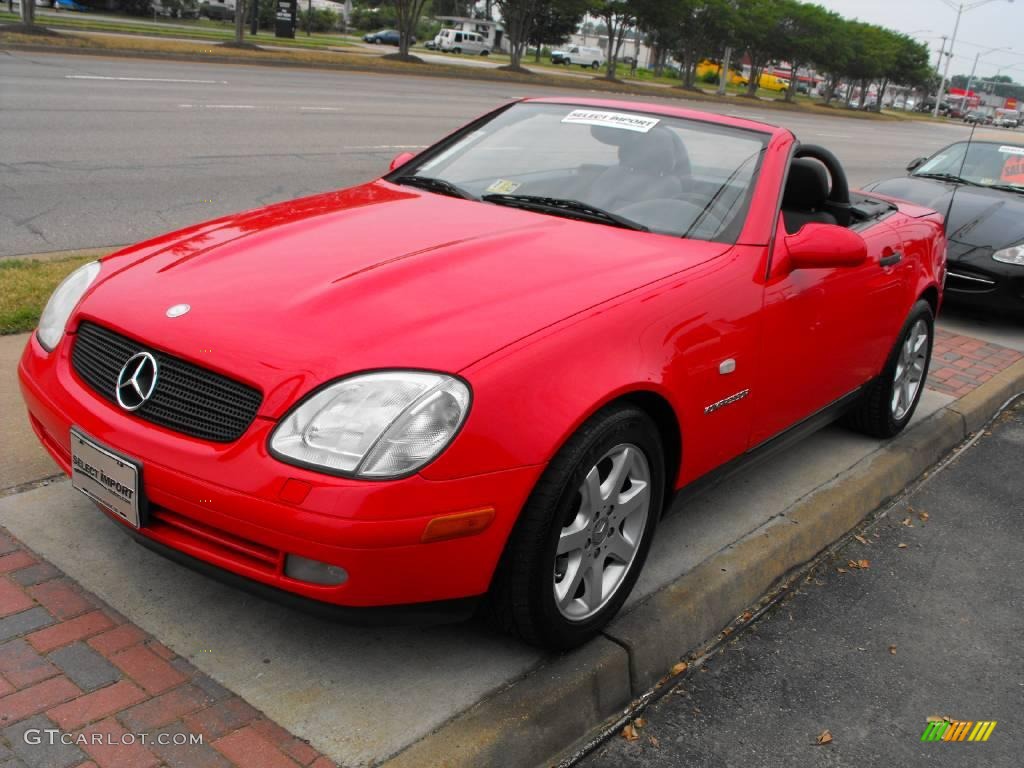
column 584, row 55
column 457, row 41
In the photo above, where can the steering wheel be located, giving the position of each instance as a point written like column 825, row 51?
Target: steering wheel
column 839, row 196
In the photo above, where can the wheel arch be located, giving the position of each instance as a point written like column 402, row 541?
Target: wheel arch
column 667, row 422
column 931, row 295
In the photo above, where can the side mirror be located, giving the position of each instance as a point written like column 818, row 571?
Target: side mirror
column 400, row 160
column 915, row 164
column 825, row 246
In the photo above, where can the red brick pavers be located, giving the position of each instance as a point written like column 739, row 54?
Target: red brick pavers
column 114, row 694
column 960, row 364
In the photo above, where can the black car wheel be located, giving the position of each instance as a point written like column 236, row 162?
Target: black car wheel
column 584, row 533
column 890, row 400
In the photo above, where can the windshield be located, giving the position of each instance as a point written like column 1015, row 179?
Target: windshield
column 987, row 163
column 666, row 175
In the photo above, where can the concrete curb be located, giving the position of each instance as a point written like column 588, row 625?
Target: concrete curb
column 568, row 697
column 539, row 79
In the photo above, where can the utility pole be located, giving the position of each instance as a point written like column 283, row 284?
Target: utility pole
column 945, row 69
column 942, row 50
column 254, row 18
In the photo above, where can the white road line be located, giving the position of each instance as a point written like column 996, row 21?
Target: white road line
column 320, row 109
column 146, row 79
column 217, row 106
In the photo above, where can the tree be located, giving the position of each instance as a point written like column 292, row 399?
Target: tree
column 618, row 16
column 703, row 30
column 240, row 21
column 802, row 27
column 407, row 13
column 907, row 64
column 554, row 21
column 837, row 51
column 519, row 17
column 28, row 14
column 758, row 30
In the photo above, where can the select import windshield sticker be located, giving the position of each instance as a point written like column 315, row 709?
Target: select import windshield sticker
column 622, row 120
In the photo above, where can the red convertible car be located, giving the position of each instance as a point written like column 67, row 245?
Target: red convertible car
column 476, row 383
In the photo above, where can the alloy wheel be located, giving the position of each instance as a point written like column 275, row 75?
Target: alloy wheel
column 597, row 546
column 910, row 367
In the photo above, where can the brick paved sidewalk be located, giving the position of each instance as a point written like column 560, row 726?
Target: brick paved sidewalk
column 960, row 364
column 69, row 662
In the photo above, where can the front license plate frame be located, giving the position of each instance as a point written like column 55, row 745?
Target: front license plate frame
column 109, row 478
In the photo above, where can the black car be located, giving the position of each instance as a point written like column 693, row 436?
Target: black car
column 386, row 37
column 975, row 117
column 980, row 184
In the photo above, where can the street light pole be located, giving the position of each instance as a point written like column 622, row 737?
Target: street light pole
column 945, row 72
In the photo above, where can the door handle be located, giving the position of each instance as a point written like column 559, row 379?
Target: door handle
column 893, row 258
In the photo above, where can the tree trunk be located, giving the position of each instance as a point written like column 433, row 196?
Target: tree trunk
column 881, row 94
column 536, row 57
column 610, row 72
column 793, row 80
column 28, row 12
column 239, row 21
column 863, row 93
column 723, row 74
column 755, row 78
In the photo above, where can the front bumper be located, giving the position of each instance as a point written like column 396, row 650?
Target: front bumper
column 235, row 508
column 974, row 278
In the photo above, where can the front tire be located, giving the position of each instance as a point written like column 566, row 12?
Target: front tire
column 890, row 401
column 583, row 536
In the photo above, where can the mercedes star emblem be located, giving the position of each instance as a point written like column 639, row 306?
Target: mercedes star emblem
column 136, row 382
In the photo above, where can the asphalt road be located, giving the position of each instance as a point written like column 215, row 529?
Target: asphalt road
column 98, row 152
column 932, row 629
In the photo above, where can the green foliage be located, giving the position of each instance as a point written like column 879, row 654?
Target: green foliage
column 320, row 20
column 368, row 19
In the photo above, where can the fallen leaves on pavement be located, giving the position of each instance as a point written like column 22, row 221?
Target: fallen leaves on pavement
column 654, row 741
column 629, row 733
column 862, row 540
column 922, row 516
column 746, row 616
column 901, row 545
column 679, row 668
column 892, row 649
column 825, row 737
column 907, row 522
column 859, row 565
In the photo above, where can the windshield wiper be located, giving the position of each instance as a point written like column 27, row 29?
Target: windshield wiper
column 948, row 177
column 432, row 184
column 572, row 209
column 1006, row 188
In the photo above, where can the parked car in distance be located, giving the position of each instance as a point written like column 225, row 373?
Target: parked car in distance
column 458, row 41
column 176, row 9
column 491, row 402
column 980, row 184
column 386, row 37
column 223, row 10
column 1006, row 118
column 709, row 67
column 583, row 55
column 69, row 5
column 977, row 118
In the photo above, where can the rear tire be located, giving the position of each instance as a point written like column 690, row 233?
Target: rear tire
column 890, row 400
column 583, row 536
column 595, row 65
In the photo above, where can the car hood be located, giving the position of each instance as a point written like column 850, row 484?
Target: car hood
column 378, row 276
column 980, row 218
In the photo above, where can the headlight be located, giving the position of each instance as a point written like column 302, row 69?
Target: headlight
column 1012, row 255
column 383, row 424
column 63, row 302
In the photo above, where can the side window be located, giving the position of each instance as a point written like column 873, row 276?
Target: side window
column 458, row 37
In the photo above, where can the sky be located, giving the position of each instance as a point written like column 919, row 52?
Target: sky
column 995, row 24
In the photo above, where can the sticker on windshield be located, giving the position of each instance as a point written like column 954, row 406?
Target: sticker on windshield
column 622, row 120
column 1012, row 150
column 503, row 187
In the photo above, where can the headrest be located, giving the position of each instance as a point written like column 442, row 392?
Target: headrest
column 652, row 153
column 807, row 187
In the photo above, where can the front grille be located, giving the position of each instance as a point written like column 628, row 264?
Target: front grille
column 187, row 398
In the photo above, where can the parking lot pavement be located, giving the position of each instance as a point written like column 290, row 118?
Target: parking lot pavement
column 70, row 663
column 358, row 694
column 930, row 626
column 98, row 151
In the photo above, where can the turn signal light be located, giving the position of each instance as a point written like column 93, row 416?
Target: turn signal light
column 460, row 524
